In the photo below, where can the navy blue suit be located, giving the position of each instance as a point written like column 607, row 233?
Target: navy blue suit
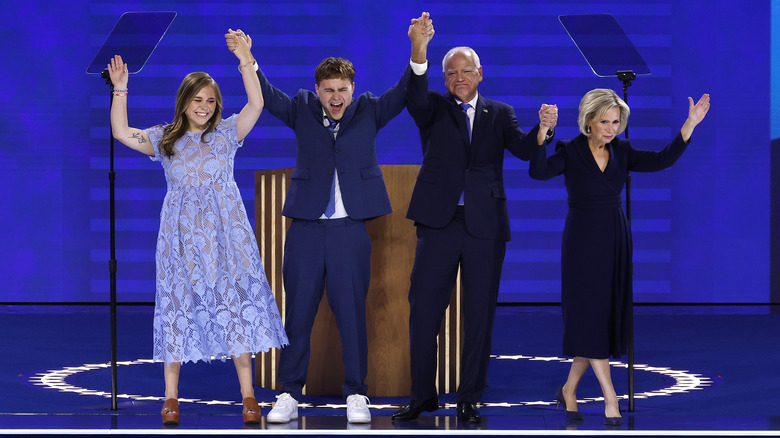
column 473, row 236
column 332, row 253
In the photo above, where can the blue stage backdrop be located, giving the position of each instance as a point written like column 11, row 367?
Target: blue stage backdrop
column 702, row 228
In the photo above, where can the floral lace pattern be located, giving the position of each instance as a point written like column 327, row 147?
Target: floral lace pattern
column 212, row 299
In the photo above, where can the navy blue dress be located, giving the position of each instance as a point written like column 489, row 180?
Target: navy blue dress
column 596, row 293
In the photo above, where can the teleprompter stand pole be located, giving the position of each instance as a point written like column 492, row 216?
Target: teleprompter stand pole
column 626, row 76
column 112, row 259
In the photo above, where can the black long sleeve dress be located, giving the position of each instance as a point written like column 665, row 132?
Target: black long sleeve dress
column 596, row 253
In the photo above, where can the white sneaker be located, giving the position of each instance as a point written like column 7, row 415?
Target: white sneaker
column 357, row 409
column 284, row 410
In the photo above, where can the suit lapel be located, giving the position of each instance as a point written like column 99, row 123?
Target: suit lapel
column 460, row 118
column 349, row 113
column 316, row 108
column 483, row 116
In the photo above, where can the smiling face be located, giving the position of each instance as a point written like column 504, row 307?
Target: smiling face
column 201, row 109
column 335, row 96
column 604, row 127
column 461, row 75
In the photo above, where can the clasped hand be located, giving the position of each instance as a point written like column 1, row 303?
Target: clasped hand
column 548, row 116
column 421, row 30
column 240, row 44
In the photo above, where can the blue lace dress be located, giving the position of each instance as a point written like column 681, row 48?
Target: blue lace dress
column 212, row 299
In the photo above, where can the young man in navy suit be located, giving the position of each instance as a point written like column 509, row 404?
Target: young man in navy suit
column 459, row 207
column 335, row 187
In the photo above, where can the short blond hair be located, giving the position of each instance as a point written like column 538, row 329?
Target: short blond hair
column 596, row 102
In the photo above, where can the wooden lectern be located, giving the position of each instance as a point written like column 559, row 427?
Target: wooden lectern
column 393, row 239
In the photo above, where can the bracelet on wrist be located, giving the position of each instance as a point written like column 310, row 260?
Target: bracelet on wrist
column 120, row 91
column 120, row 94
column 247, row 64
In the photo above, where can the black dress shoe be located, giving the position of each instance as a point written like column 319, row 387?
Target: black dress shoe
column 415, row 408
column 571, row 415
column 468, row 412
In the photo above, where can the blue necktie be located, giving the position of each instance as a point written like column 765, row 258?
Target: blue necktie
column 465, row 107
column 332, row 124
column 331, row 207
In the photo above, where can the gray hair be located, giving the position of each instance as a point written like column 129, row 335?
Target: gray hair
column 596, row 102
column 455, row 50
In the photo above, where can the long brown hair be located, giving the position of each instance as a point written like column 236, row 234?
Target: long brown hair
column 189, row 88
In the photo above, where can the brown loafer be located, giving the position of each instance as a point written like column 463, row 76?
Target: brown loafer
column 251, row 411
column 170, row 412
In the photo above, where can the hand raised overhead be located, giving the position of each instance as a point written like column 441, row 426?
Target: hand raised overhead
column 117, row 71
column 421, row 30
column 420, row 33
column 696, row 113
column 240, row 44
column 548, row 116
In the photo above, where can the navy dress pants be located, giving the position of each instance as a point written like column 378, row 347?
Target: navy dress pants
column 438, row 255
column 332, row 253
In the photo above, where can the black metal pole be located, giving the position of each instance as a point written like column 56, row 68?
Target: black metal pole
column 627, row 76
column 112, row 260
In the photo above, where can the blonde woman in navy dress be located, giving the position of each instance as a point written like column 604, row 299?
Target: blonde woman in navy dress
column 596, row 296
column 212, row 299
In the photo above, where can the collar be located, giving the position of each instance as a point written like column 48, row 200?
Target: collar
column 472, row 102
column 326, row 120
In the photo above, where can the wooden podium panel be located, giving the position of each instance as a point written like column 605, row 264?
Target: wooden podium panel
column 393, row 241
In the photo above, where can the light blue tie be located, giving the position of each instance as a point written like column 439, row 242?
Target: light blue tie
column 331, row 207
column 465, row 107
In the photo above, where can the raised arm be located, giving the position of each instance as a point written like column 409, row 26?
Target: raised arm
column 393, row 101
column 240, row 44
column 696, row 114
column 275, row 101
column 420, row 33
column 120, row 129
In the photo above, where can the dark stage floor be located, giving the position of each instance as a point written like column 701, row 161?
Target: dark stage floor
column 700, row 371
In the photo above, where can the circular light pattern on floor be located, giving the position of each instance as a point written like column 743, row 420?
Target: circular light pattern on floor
column 684, row 381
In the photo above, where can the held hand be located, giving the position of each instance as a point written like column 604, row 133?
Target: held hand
column 240, row 44
column 231, row 40
column 421, row 30
column 548, row 116
column 696, row 113
column 117, row 71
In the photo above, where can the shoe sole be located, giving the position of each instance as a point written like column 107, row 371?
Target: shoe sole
column 279, row 420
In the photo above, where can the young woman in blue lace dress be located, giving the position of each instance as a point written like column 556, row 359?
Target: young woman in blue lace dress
column 212, row 298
